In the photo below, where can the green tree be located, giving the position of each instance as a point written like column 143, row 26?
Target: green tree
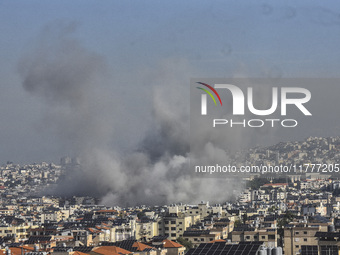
column 244, row 218
column 287, row 217
column 140, row 215
column 237, row 223
column 257, row 183
column 272, row 209
column 187, row 244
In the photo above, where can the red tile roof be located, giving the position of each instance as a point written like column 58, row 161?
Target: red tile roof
column 171, row 244
column 110, row 250
column 141, row 246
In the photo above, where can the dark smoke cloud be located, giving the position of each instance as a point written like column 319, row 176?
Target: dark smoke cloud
column 67, row 78
column 81, row 110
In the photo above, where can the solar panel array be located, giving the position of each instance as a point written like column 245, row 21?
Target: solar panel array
column 242, row 227
column 147, row 249
column 84, row 249
column 159, row 238
column 309, row 250
column 327, row 234
column 329, row 250
column 243, row 248
column 196, row 232
column 36, row 239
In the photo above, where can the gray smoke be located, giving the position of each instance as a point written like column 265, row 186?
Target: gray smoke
column 89, row 121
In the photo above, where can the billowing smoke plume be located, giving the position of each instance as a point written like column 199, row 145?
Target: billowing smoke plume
column 90, row 120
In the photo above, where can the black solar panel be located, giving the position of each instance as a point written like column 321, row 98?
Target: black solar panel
column 159, row 238
column 243, row 227
column 327, row 234
column 196, row 233
column 84, row 249
column 309, row 250
column 36, row 239
column 243, row 248
column 329, row 250
column 147, row 249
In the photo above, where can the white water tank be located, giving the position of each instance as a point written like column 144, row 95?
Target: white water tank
column 262, row 251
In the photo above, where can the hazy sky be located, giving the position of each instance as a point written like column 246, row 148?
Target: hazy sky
column 143, row 45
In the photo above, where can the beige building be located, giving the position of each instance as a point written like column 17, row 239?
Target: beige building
column 21, row 232
column 122, row 232
column 173, row 248
column 203, row 210
column 174, row 225
column 327, row 239
column 51, row 216
column 168, row 247
column 268, row 237
column 223, row 227
column 146, row 230
column 295, row 237
column 6, row 211
column 196, row 237
column 82, row 237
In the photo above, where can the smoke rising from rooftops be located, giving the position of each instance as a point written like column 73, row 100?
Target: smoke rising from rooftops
column 75, row 86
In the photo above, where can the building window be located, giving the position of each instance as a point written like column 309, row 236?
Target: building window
column 173, row 235
column 166, row 228
column 248, row 237
column 297, row 246
column 202, row 239
column 296, row 233
column 166, row 222
column 263, row 237
column 305, row 239
column 173, row 222
column 305, row 232
column 173, row 228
